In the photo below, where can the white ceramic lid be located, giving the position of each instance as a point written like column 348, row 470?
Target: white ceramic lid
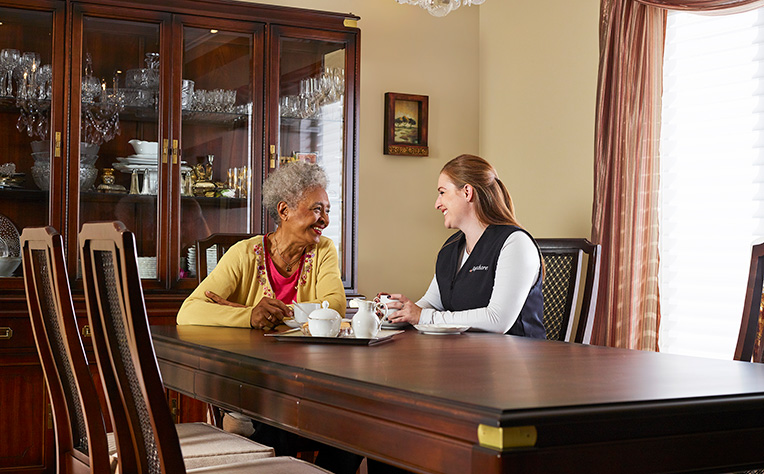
column 325, row 312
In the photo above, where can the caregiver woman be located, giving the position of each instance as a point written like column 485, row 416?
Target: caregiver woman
column 488, row 274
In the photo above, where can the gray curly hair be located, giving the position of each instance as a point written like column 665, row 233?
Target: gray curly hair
column 289, row 184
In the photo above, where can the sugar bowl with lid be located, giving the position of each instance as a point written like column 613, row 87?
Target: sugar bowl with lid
column 324, row 322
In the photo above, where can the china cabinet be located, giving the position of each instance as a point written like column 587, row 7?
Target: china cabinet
column 167, row 117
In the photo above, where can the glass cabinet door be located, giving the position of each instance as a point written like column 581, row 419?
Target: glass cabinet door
column 221, row 134
column 315, row 121
column 31, row 118
column 116, row 161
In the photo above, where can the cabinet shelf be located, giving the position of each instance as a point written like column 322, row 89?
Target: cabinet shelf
column 149, row 114
column 23, row 194
column 8, row 104
column 110, row 199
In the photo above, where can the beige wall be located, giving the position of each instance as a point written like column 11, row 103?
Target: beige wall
column 514, row 83
column 538, row 78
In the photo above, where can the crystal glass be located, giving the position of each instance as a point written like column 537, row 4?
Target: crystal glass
column 9, row 59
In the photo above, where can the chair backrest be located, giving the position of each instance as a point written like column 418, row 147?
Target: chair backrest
column 749, row 344
column 117, row 314
column 80, row 431
column 563, row 261
column 221, row 243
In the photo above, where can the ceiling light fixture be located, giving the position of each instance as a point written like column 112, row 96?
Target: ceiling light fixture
column 440, row 7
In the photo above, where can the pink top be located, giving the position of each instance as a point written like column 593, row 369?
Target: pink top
column 284, row 288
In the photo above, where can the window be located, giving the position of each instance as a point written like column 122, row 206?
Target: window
column 712, row 177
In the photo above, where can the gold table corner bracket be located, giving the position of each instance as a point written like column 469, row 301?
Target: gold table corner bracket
column 495, row 437
column 350, row 23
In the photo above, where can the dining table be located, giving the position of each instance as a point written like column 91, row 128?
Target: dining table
column 479, row 402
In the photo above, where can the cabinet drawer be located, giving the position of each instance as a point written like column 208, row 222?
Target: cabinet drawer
column 16, row 333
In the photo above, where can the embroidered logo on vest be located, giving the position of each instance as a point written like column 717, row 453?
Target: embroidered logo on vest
column 478, row 268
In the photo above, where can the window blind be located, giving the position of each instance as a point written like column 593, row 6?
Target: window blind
column 712, row 177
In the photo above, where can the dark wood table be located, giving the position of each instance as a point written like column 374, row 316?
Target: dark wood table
column 481, row 402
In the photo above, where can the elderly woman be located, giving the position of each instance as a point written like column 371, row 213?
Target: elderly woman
column 257, row 278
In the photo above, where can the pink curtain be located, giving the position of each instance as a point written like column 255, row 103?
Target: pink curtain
column 626, row 164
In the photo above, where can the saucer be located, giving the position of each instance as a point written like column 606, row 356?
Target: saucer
column 440, row 329
column 389, row 325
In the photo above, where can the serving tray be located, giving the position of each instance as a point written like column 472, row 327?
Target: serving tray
column 296, row 335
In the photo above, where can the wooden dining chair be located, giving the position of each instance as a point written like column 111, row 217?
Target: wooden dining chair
column 221, row 243
column 81, row 439
column 120, row 329
column 563, row 275
column 749, row 342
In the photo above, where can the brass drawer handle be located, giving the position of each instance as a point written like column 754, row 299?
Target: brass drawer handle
column 86, row 331
column 6, row 332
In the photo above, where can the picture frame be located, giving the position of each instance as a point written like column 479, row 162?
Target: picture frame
column 311, row 157
column 405, row 124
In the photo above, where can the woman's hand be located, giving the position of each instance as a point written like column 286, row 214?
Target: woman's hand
column 407, row 312
column 267, row 314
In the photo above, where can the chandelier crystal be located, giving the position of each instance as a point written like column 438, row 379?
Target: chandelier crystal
column 440, row 7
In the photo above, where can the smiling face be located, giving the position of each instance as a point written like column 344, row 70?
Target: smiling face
column 452, row 202
column 306, row 222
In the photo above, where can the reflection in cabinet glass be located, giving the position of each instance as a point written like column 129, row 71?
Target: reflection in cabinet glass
column 217, row 118
column 26, row 80
column 311, row 116
column 119, row 129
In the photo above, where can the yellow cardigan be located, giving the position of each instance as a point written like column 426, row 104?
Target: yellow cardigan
column 241, row 277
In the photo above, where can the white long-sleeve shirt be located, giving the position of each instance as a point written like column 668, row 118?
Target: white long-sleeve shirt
column 517, row 270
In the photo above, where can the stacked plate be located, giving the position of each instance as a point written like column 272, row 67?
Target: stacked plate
column 140, row 160
column 147, row 267
column 191, row 259
column 212, row 259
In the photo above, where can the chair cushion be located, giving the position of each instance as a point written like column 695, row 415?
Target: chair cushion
column 205, row 445
column 279, row 465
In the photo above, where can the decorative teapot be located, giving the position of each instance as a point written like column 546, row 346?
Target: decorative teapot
column 365, row 323
column 324, row 322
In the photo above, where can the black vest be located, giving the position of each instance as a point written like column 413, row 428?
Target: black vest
column 472, row 285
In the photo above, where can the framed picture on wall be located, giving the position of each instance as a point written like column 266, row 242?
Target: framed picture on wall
column 307, row 157
column 405, row 124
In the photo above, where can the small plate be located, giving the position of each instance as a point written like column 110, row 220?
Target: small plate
column 440, row 329
column 389, row 325
column 292, row 323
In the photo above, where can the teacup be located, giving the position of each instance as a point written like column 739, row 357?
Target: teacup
column 385, row 299
column 302, row 310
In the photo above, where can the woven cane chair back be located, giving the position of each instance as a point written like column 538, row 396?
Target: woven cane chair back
column 80, row 432
column 563, row 278
column 114, row 296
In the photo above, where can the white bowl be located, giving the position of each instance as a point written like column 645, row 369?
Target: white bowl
column 8, row 265
column 142, row 147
